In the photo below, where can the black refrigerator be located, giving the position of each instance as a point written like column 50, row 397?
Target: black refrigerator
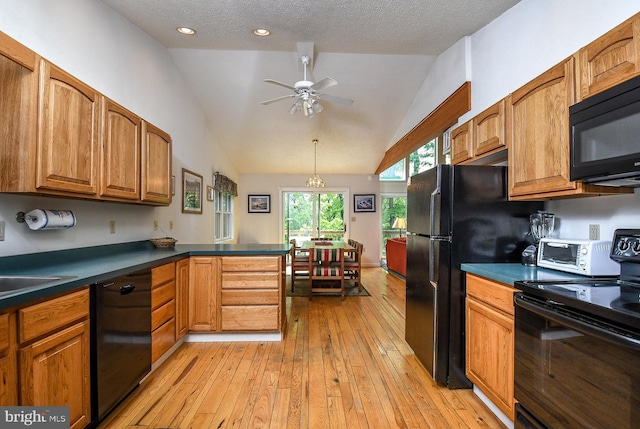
column 455, row 214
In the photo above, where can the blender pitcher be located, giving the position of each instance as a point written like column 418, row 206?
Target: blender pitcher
column 541, row 225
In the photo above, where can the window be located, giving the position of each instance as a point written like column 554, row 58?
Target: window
column 395, row 172
column 223, row 216
column 424, row 158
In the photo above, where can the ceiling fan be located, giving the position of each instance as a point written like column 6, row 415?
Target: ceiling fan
column 308, row 93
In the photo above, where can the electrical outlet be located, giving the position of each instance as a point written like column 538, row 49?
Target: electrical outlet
column 594, row 232
column 1, row 230
column 112, row 226
column 170, row 224
column 155, row 225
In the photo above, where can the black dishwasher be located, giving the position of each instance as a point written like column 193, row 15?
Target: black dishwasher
column 120, row 340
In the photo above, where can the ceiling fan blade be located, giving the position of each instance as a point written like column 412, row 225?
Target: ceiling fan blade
column 334, row 99
column 324, row 83
column 273, row 100
column 275, row 82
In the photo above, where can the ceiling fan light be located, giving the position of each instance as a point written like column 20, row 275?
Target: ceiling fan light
column 317, row 107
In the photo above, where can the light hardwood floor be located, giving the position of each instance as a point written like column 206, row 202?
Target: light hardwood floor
column 342, row 364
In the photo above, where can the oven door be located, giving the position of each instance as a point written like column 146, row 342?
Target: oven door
column 572, row 373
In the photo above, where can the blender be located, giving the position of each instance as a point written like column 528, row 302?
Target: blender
column 541, row 225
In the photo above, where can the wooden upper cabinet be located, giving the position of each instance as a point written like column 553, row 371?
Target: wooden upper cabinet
column 489, row 130
column 538, row 130
column 120, row 174
column 68, row 133
column 156, row 165
column 18, row 106
column 461, row 143
column 610, row 59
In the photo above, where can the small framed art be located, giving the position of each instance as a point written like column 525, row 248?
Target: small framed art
column 364, row 203
column 191, row 192
column 259, row 204
column 209, row 193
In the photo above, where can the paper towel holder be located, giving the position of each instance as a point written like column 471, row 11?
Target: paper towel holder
column 20, row 217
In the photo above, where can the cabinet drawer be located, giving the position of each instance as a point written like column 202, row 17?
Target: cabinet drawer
column 162, row 339
column 250, row 280
column 495, row 294
column 49, row 316
column 4, row 332
column 250, row 263
column 250, row 318
column 163, row 274
column 162, row 314
column 249, row 297
column 162, row 294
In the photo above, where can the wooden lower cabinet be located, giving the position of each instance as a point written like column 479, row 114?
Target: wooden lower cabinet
column 236, row 293
column 163, row 309
column 54, row 355
column 182, row 297
column 250, row 298
column 204, row 288
column 8, row 360
column 490, row 340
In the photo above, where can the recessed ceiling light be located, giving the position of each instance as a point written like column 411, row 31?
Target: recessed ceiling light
column 261, row 32
column 186, row 30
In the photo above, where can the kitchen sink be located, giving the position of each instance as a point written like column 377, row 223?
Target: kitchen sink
column 13, row 283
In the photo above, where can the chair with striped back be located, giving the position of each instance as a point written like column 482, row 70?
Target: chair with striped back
column 326, row 265
column 299, row 263
column 353, row 264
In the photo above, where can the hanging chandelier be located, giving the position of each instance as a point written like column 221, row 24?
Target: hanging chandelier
column 315, row 181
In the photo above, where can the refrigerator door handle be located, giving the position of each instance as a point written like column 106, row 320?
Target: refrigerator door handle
column 433, row 275
column 435, row 198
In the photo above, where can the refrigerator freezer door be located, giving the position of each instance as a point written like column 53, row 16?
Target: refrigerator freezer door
column 428, row 202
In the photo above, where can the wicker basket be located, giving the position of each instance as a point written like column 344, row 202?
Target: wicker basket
column 163, row 242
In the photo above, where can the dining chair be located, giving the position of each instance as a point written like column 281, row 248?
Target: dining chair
column 353, row 264
column 326, row 265
column 299, row 263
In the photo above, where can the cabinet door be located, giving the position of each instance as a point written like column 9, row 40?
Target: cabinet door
column 489, row 345
column 204, row 290
column 489, row 130
column 610, row 59
column 538, row 130
column 55, row 372
column 18, row 106
column 8, row 360
column 156, row 165
column 461, row 143
column 182, row 298
column 120, row 175
column 68, row 133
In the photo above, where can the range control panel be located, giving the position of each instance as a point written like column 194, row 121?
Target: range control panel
column 626, row 245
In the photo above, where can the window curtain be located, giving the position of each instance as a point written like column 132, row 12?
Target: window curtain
column 224, row 184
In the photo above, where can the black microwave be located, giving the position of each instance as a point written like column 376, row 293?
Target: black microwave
column 605, row 137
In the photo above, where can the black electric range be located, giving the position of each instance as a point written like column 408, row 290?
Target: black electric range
column 577, row 347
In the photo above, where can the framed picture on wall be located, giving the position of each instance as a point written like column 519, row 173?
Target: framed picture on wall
column 191, row 192
column 209, row 193
column 259, row 204
column 364, row 202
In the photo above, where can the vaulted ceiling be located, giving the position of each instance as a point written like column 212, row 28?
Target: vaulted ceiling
column 379, row 52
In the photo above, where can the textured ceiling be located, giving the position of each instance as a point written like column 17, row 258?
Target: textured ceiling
column 379, row 52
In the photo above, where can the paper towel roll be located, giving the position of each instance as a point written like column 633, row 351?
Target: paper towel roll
column 50, row 219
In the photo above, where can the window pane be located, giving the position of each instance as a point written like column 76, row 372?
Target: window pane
column 395, row 172
column 424, row 158
column 217, row 222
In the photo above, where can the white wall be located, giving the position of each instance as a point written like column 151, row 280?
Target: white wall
column 519, row 45
column 98, row 46
column 267, row 228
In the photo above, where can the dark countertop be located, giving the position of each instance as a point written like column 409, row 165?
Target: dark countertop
column 509, row 273
column 97, row 264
